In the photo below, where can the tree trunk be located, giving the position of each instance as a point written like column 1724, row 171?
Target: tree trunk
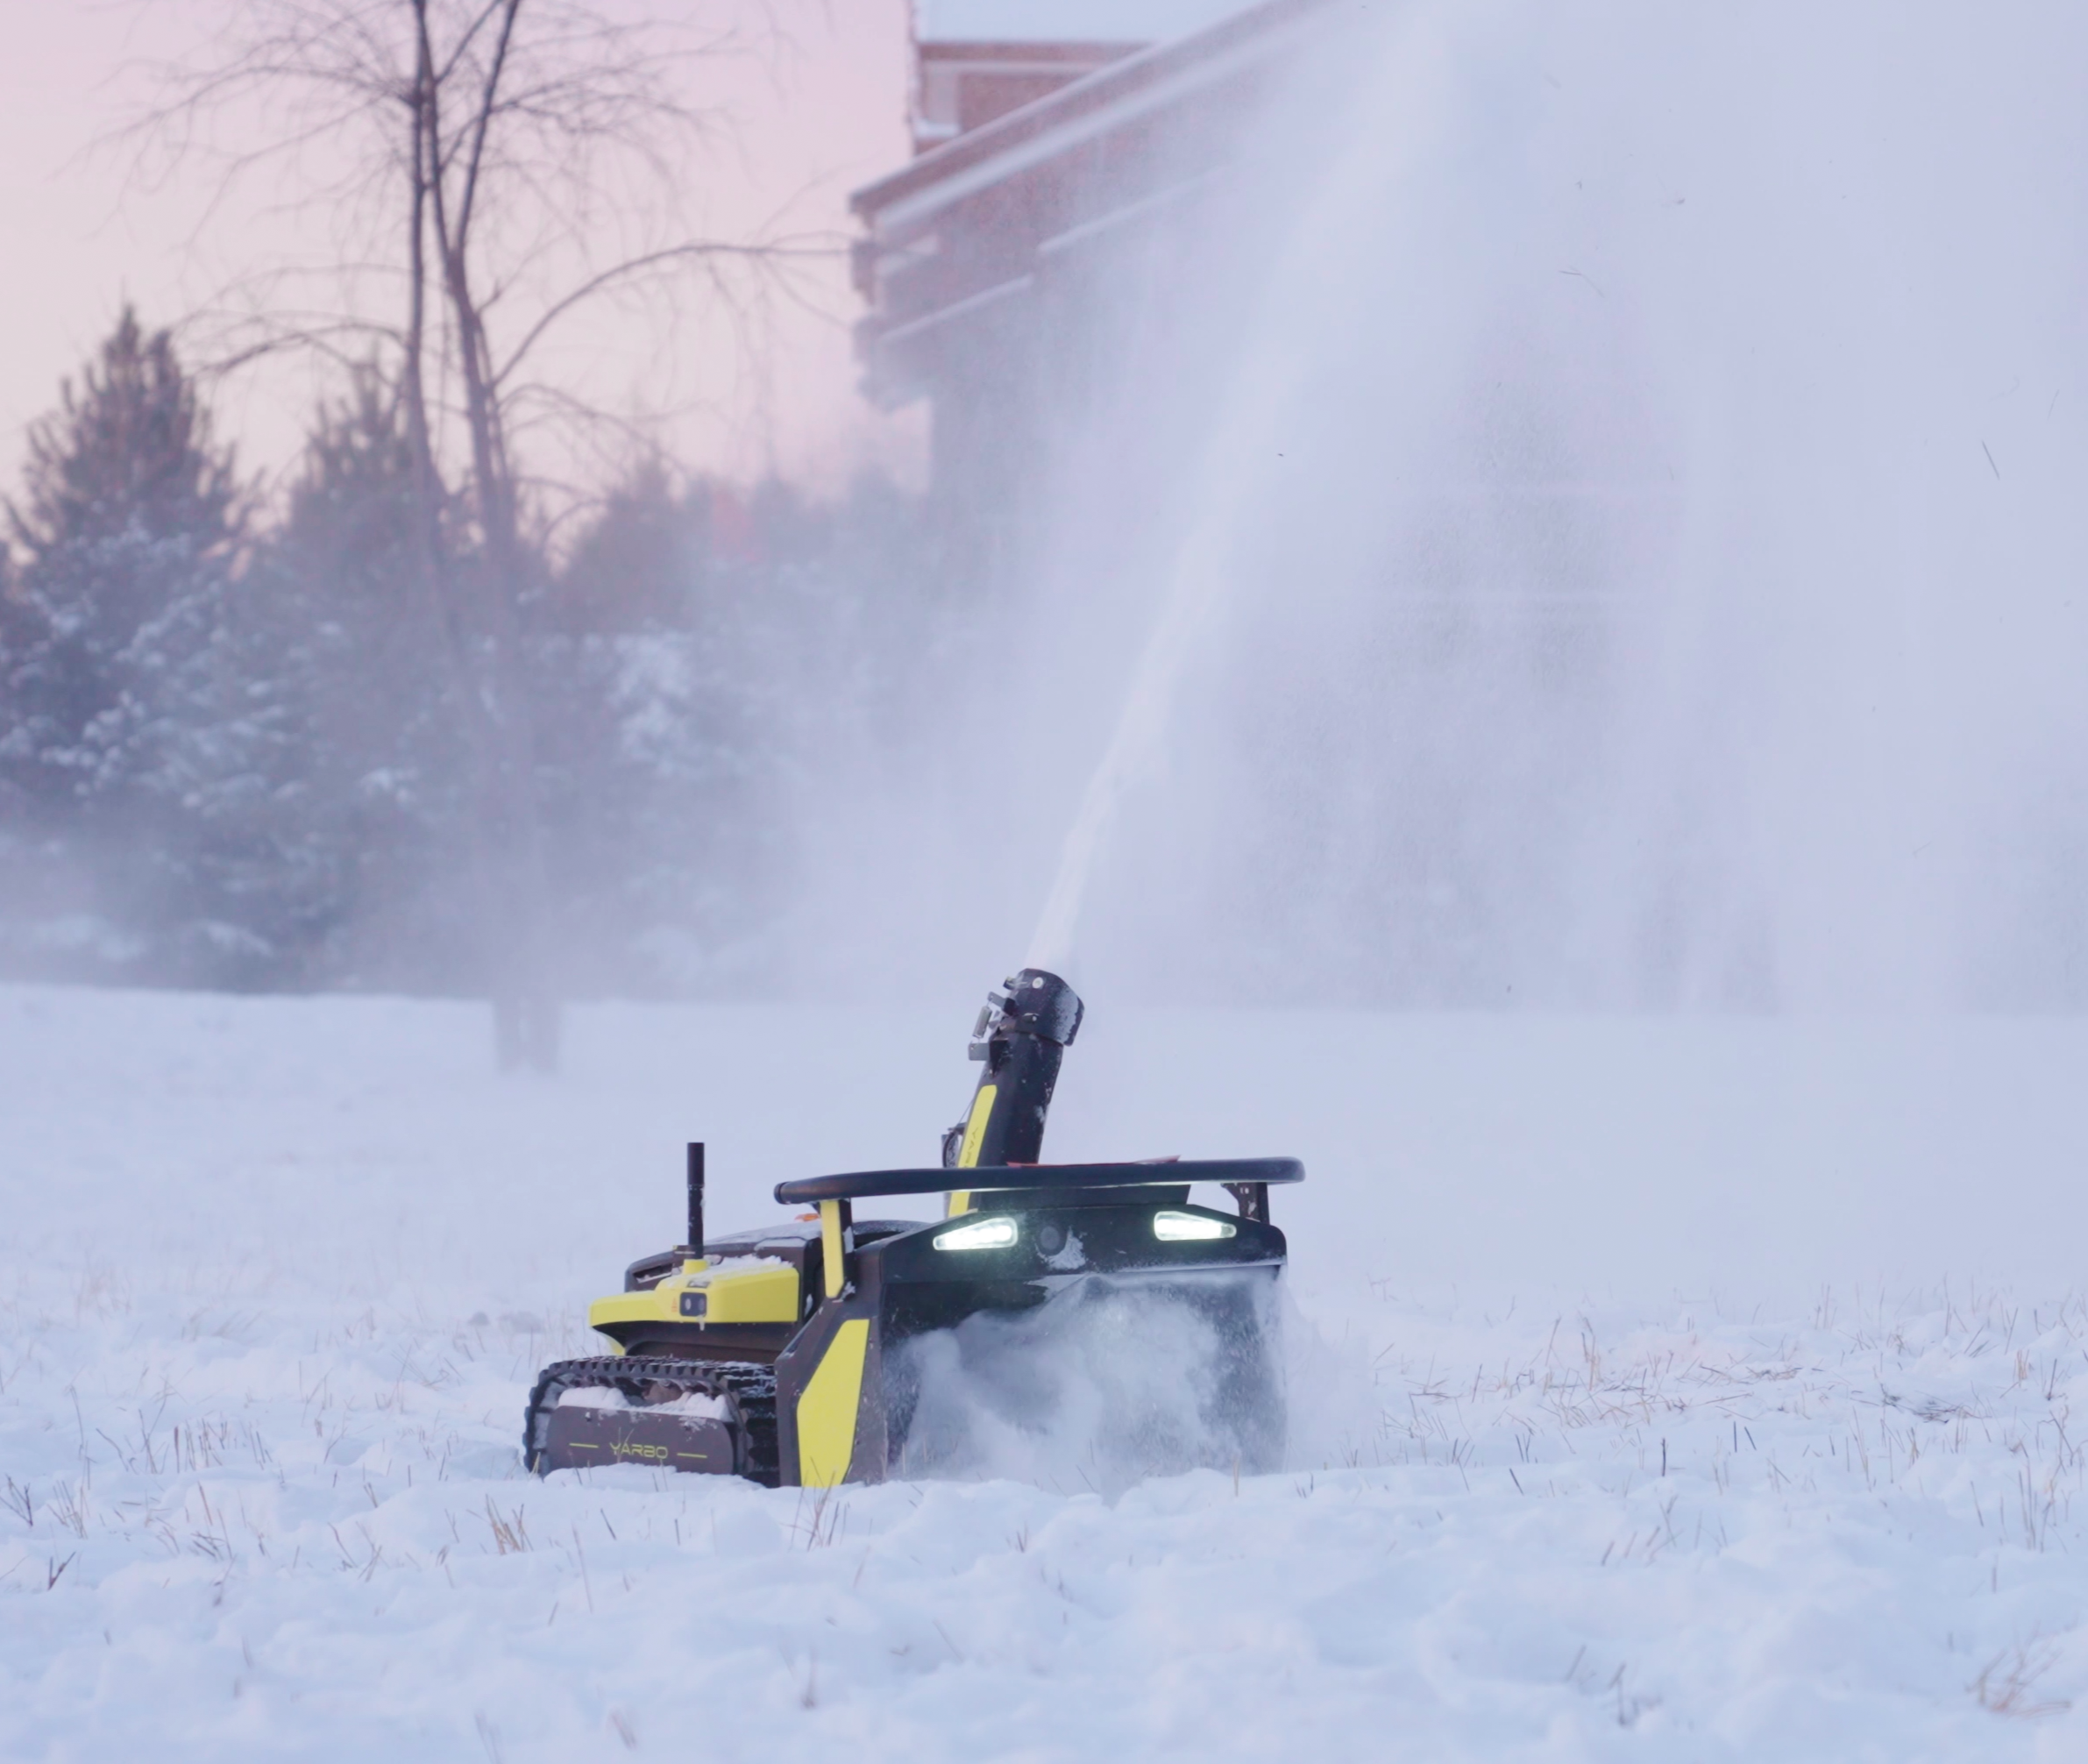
column 508, row 837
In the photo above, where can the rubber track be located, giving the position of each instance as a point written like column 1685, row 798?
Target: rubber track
column 752, row 1389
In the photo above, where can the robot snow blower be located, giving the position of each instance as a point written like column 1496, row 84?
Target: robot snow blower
column 791, row 1355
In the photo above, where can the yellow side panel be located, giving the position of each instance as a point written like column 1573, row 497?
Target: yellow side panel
column 760, row 1295
column 756, row 1295
column 635, row 1307
column 826, row 1411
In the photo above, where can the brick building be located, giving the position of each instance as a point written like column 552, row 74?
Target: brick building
column 1059, row 145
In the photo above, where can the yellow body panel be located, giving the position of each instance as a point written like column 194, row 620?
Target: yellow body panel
column 760, row 1295
column 750, row 1294
column 826, row 1411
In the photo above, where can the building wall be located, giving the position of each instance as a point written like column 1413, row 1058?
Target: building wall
column 1008, row 267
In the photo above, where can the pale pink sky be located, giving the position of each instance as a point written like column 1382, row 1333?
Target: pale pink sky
column 825, row 114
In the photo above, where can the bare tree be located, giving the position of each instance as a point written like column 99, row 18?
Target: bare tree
column 495, row 169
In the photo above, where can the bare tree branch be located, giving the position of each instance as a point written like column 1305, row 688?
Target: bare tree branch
column 630, row 269
column 488, row 169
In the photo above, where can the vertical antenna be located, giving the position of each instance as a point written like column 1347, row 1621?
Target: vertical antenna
column 695, row 1245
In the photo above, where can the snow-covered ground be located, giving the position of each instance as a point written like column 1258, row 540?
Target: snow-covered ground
column 1635, row 1415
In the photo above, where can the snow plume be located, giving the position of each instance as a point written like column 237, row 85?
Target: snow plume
column 1589, row 519
column 1108, row 1382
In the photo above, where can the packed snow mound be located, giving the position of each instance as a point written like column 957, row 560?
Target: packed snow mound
column 288, row 1521
column 732, row 1264
column 607, row 1398
column 279, row 1273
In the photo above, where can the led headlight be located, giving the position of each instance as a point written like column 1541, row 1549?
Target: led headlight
column 981, row 1234
column 1189, row 1228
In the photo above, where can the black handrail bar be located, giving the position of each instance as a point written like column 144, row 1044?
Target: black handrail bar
column 993, row 1178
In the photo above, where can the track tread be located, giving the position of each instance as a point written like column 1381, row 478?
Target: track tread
column 750, row 1387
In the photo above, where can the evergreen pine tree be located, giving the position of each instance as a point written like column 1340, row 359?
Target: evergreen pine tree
column 126, row 533
column 144, row 727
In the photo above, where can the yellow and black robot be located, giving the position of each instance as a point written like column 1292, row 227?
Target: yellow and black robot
column 776, row 1353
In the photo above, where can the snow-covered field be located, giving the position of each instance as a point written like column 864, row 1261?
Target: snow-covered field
column 1635, row 1417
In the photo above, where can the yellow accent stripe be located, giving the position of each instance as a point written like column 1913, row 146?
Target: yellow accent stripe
column 826, row 1411
column 968, row 1150
column 974, row 1128
column 830, row 1245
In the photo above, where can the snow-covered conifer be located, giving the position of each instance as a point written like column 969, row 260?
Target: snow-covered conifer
column 127, row 528
column 150, row 748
